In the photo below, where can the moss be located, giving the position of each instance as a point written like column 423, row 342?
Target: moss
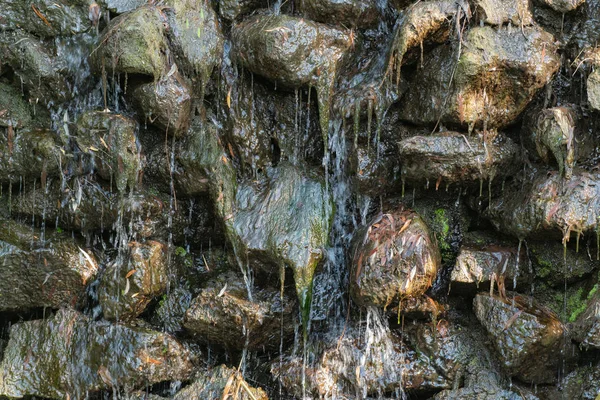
column 180, row 252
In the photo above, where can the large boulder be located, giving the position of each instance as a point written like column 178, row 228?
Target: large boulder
column 489, row 85
column 452, row 157
column 129, row 284
column 294, row 52
column 528, row 338
column 548, row 204
column 69, row 355
column 42, row 269
column 347, row 13
column 223, row 314
column 108, row 145
column 394, row 256
column 29, row 154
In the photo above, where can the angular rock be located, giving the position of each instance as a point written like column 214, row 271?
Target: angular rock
column 213, row 384
column 284, row 222
column 555, row 264
column 555, row 133
column 108, row 143
column 529, row 339
column 41, row 72
column 232, row 9
column 347, row 13
column 29, row 154
column 452, row 157
column 14, row 111
column 348, row 366
column 223, row 314
column 127, row 286
column 122, row 6
column 584, row 384
column 195, row 37
column 478, row 264
column 171, row 310
column 496, row 76
column 393, row 257
column 562, row 6
column 68, row 355
column 166, row 103
column 46, row 18
column 515, row 12
column 133, row 43
column 593, row 89
column 294, row 52
column 586, row 327
column 549, row 204
column 41, row 269
column 377, row 169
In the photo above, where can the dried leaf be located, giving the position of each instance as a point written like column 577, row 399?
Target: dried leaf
column 130, row 273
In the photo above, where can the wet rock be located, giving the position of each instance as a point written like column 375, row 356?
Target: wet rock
column 377, row 168
column 127, row 286
column 46, row 18
column 41, row 72
column 593, row 89
column 14, row 111
column 215, row 384
column 555, row 134
column 68, row 355
column 166, row 103
column 348, row 366
column 452, row 157
column 122, row 6
column 284, row 222
column 171, row 309
column 393, row 257
column 515, row 12
column 584, row 384
column 417, row 308
column 481, row 261
column 586, row 320
column 41, row 269
column 548, row 204
column 108, row 143
column 496, row 76
column 28, row 154
column 529, row 339
column 347, row 13
column 196, row 38
column 294, row 52
column 133, row 43
column 562, row 6
column 232, row 9
column 555, row 264
column 223, row 314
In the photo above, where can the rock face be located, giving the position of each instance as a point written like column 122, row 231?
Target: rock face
column 347, row 13
column 127, row 286
column 68, row 355
column 452, row 157
column 516, row 12
column 554, row 134
column 223, row 314
column 593, row 89
column 41, row 270
column 494, row 79
column 15, row 111
column 562, row 6
column 394, row 257
column 528, row 339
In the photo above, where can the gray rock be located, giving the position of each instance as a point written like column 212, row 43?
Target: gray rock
column 14, row 110
column 347, row 13
column 42, row 269
column 515, row 12
column 562, row 6
column 555, row 133
column 593, row 89
column 394, row 256
column 122, row 6
column 69, row 355
column 232, row 9
column 219, row 382
column 128, row 285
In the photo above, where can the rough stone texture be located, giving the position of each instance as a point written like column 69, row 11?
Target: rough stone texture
column 68, row 354
column 586, row 329
column 452, row 157
column 133, row 43
column 166, row 103
column 222, row 313
column 593, row 89
column 347, row 13
column 394, row 256
column 215, row 384
column 583, row 384
column 108, row 143
column 527, row 338
column 493, row 12
column 52, row 272
column 28, row 154
column 556, row 265
column 122, row 6
column 496, row 76
column 554, row 133
column 171, row 309
column 127, row 286
column 14, row 111
column 562, row 6
column 549, row 204
column 232, row 9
